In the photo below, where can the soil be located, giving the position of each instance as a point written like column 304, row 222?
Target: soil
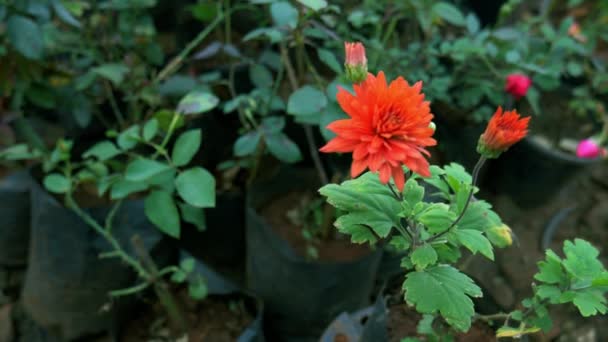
column 337, row 247
column 402, row 322
column 214, row 319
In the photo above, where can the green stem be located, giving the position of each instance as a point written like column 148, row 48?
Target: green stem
column 129, row 290
column 114, row 104
column 476, row 170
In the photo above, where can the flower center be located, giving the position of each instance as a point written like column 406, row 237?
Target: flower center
column 389, row 122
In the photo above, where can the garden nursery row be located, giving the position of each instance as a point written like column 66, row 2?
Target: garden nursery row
column 303, row 170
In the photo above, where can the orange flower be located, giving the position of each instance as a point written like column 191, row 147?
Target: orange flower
column 502, row 132
column 389, row 126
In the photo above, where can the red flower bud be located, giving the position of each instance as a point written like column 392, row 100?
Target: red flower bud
column 502, row 132
column 356, row 62
column 518, row 85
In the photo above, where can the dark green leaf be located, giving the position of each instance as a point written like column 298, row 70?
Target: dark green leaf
column 26, row 36
column 124, row 188
column 114, row 72
column 64, row 14
column 283, row 148
column 246, row 144
column 150, row 129
column 103, row 150
column 306, row 101
column 260, row 76
column 193, row 215
column 449, row 13
column 330, row 60
column 128, row 138
column 443, row 289
column 284, row 15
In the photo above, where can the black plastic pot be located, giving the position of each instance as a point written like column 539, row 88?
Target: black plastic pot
column 365, row 325
column 301, row 297
column 15, row 214
column 66, row 285
column 222, row 244
column 531, row 173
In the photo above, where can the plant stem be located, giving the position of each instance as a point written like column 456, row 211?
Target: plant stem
column 176, row 62
column 398, row 196
column 291, row 75
column 476, row 170
column 493, row 317
column 115, row 109
column 176, row 315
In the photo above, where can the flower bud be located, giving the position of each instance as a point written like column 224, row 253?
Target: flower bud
column 588, row 148
column 500, row 236
column 502, row 132
column 356, row 62
column 432, row 126
column 517, row 85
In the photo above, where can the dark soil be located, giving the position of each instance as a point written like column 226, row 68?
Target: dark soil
column 214, row 319
column 335, row 248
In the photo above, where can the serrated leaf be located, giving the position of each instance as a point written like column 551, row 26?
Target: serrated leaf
column 358, row 233
column 366, row 200
column 550, row 269
column 590, row 302
column 475, row 241
column 196, row 186
column 436, row 217
column 445, row 290
column 141, row 169
column 479, row 216
column 186, row 146
column 162, row 212
column 581, row 261
column 424, row 256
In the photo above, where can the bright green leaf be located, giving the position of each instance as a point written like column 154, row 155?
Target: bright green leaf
column 424, row 256
column 162, row 212
column 56, row 183
column 124, row 188
column 128, row 138
column 141, row 169
column 150, row 129
column 186, row 146
column 196, row 186
column 315, row 5
column 437, row 217
column 103, row 150
column 475, row 241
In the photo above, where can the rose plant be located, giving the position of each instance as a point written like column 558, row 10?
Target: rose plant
column 387, row 132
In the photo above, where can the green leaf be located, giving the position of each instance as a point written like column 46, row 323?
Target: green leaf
column 280, row 146
column 457, row 176
column 260, row 76
column 193, row 215
column 315, row 5
column 115, row 72
column 413, row 193
column 64, row 14
column 358, row 232
column 162, row 212
column 103, row 150
column 449, row 13
column 246, row 144
column 186, row 146
column 533, row 99
column 472, row 23
column 367, row 202
column 56, row 183
column 590, row 302
column 581, row 262
column 141, row 169
column 437, row 217
column 475, row 241
column 150, row 129
column 284, row 15
column 198, row 288
column 197, row 102
column 550, row 269
column 124, row 188
column 25, row 36
column 424, row 256
column 196, row 186
column 179, row 276
column 306, row 101
column 443, row 289
column 330, row 60
column 479, row 216
column 128, row 138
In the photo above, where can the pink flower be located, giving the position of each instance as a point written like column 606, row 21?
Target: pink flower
column 355, row 62
column 518, row 85
column 588, row 148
